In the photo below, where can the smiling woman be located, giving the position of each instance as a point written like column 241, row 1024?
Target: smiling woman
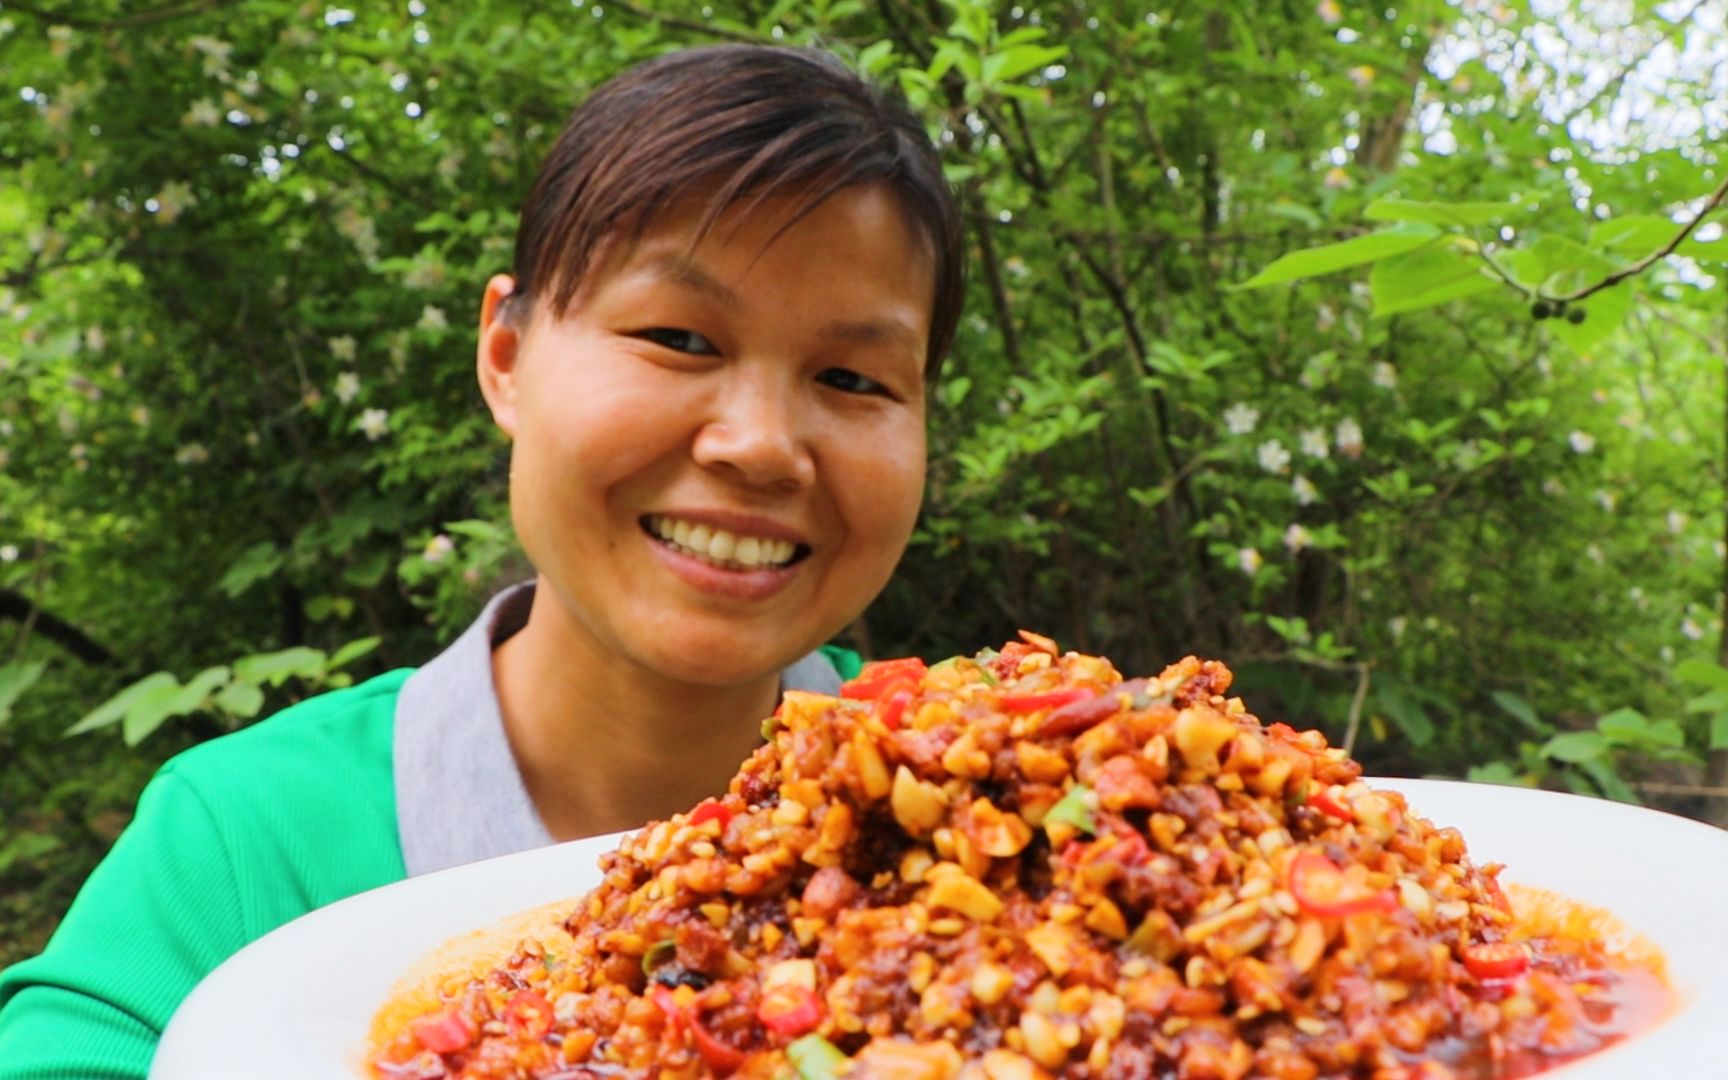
column 734, row 277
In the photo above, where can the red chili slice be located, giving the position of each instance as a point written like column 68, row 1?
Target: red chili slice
column 711, row 811
column 1078, row 716
column 528, row 1014
column 790, row 1010
column 1031, row 703
column 894, row 705
column 879, row 676
column 1324, row 801
column 1497, row 961
column 719, row 1056
column 1321, row 888
column 445, row 1033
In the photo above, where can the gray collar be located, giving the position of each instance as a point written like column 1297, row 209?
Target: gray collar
column 459, row 795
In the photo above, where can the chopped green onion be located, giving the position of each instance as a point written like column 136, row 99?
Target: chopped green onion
column 769, row 727
column 657, row 954
column 1074, row 809
column 816, row 1058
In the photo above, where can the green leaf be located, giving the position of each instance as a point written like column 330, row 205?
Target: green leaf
column 240, row 699
column 1426, row 277
column 26, row 847
column 351, row 652
column 876, row 58
column 1719, row 732
column 1635, row 236
column 277, row 668
column 15, row 678
column 149, row 711
column 1012, row 63
column 1576, row 747
column 1603, row 774
column 1496, row 772
column 114, row 710
column 1703, row 672
column 1356, row 251
column 1439, row 213
column 1411, row 718
column 1519, row 709
column 254, row 565
column 194, row 695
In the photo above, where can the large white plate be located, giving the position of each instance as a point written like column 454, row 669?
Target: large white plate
column 297, row 1003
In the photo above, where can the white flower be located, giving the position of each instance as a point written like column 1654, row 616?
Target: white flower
column 1249, row 560
column 173, row 199
column 375, row 423
column 1666, row 652
column 432, row 318
column 1296, row 537
column 1314, row 443
column 191, row 454
column 1605, row 499
column 1582, row 442
column 203, row 113
column 347, row 387
column 438, row 548
column 9, row 553
column 216, row 53
column 1241, row 419
column 1676, row 522
column 1349, row 437
column 1324, row 318
column 1397, row 624
column 343, row 348
column 1690, row 629
column 1305, row 491
column 1329, row 12
column 1385, row 376
column 1273, row 457
column 1595, row 554
column 1552, row 486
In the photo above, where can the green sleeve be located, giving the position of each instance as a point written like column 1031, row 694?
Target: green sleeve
column 160, row 912
column 845, row 661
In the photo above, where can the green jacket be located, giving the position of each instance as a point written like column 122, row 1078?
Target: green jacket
column 231, row 839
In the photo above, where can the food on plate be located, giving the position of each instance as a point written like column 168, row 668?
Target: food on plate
column 1020, row 865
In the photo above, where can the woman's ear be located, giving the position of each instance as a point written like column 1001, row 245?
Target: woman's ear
column 500, row 342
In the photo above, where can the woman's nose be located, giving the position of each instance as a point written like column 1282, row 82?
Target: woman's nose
column 755, row 431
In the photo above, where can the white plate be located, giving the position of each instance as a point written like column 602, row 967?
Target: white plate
column 297, row 1003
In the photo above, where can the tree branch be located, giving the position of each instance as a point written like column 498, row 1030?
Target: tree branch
column 1644, row 264
column 17, row 606
column 120, row 22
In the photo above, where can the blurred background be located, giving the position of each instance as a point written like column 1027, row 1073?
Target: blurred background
column 242, row 457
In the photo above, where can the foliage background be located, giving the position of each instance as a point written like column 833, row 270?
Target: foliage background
column 242, row 459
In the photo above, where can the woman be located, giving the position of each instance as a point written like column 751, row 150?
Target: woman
column 734, row 279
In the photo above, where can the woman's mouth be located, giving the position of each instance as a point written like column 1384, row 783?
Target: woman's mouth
column 722, row 548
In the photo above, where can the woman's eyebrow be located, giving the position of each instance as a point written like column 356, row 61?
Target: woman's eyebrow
column 680, row 270
column 892, row 332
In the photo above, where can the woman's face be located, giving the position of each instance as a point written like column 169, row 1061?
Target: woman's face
column 719, row 450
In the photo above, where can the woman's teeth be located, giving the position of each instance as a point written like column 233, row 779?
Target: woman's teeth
column 720, row 547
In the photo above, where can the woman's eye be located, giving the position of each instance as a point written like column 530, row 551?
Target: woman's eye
column 850, row 381
column 681, row 340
